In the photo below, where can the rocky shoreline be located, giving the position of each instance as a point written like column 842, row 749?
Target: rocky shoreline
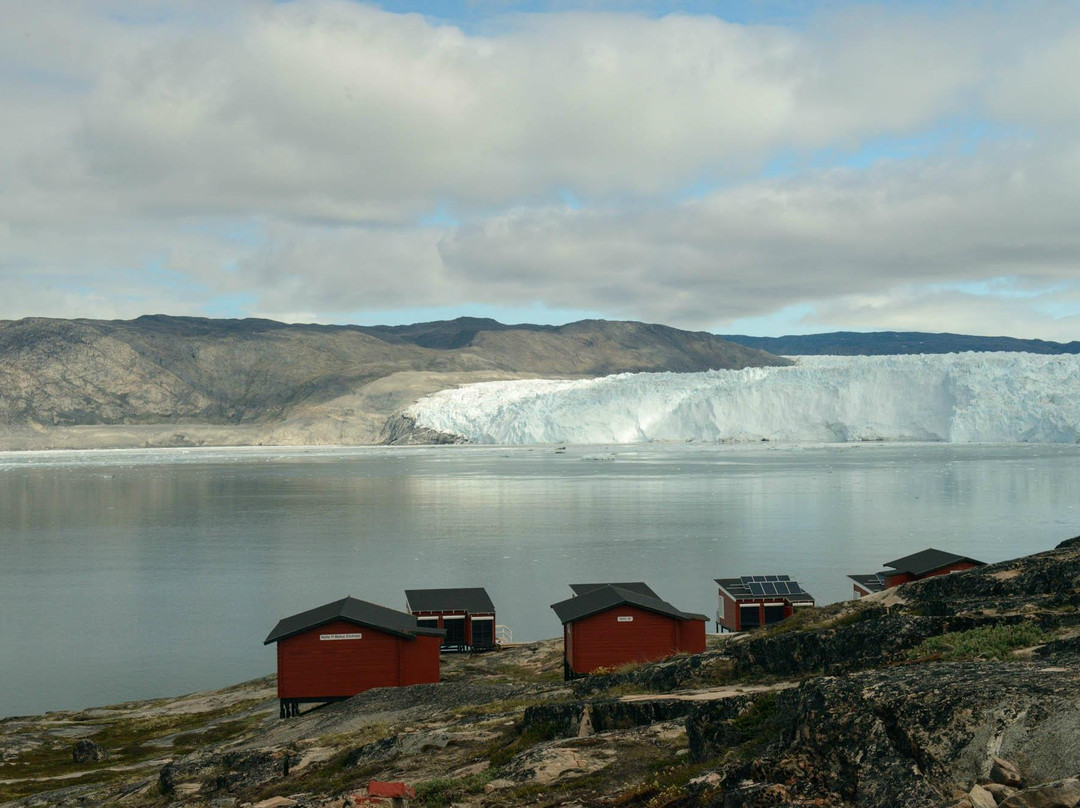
column 962, row 691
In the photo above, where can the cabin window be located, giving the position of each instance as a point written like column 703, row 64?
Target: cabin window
column 483, row 632
column 774, row 613
column 455, row 631
column 749, row 616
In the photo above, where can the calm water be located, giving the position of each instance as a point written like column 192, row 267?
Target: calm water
column 131, row 574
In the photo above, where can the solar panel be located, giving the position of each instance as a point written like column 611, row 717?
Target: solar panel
column 770, row 588
column 755, row 589
column 771, row 578
column 782, row 578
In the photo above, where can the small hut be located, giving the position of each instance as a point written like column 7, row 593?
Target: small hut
column 343, row 648
column 466, row 615
column 752, row 601
column 923, row 564
column 609, row 625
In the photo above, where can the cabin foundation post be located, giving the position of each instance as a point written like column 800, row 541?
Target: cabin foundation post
column 289, row 708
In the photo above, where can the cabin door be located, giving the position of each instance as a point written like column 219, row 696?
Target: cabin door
column 455, row 631
column 749, row 616
column 774, row 613
column 483, row 632
column 427, row 622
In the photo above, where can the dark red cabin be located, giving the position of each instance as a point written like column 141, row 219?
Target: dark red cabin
column 466, row 615
column 924, row 564
column 349, row 646
column 752, row 601
column 610, row 625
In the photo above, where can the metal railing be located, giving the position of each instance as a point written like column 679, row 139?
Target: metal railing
column 503, row 635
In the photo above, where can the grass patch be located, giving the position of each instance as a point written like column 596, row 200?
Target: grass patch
column 802, row 620
column 127, row 742
column 500, row 707
column 340, row 772
column 501, row 754
column 758, row 726
column 667, row 785
column 985, row 642
column 445, row 790
column 516, row 674
column 617, row 691
column 217, row 734
column 15, row 791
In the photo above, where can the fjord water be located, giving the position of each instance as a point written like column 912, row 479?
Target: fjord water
column 134, row 574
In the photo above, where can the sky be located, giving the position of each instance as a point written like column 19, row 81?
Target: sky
column 736, row 167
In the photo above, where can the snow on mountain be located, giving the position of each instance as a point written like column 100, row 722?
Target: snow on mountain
column 961, row 398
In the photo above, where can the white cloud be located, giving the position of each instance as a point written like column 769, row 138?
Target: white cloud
column 341, row 111
column 144, row 134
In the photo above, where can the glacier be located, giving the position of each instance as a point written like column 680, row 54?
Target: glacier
column 959, row 398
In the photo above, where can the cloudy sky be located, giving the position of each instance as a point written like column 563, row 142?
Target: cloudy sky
column 750, row 166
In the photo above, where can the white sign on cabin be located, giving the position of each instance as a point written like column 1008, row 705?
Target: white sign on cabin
column 623, row 618
column 357, row 636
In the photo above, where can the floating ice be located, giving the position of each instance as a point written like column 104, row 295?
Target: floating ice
column 960, row 398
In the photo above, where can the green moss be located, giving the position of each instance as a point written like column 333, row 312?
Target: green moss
column 500, row 707
column 516, row 674
column 500, row 754
column 14, row 791
column 985, row 642
column 759, row 717
column 127, row 740
column 338, row 773
column 217, row 734
column 445, row 790
column 667, row 784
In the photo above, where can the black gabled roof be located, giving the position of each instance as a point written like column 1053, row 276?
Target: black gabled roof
column 755, row 587
column 360, row 612
column 474, row 600
column 609, row 596
column 927, row 561
column 640, row 587
column 871, row 583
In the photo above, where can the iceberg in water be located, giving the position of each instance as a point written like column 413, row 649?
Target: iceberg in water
column 961, row 398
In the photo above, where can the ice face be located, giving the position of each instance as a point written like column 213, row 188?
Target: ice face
column 961, row 398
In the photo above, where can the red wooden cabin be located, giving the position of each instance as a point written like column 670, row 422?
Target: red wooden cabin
column 467, row 616
column 924, row 564
column 752, row 601
column 346, row 647
column 609, row 625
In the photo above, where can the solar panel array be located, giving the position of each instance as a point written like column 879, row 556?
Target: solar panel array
column 772, row 585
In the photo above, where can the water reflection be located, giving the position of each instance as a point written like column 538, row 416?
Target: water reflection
column 140, row 574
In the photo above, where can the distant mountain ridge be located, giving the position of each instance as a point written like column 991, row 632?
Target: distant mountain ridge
column 268, row 382
column 877, row 343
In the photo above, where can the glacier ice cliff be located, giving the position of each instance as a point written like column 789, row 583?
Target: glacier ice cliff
column 961, row 398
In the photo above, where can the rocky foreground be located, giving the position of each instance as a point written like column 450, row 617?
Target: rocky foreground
column 962, row 690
